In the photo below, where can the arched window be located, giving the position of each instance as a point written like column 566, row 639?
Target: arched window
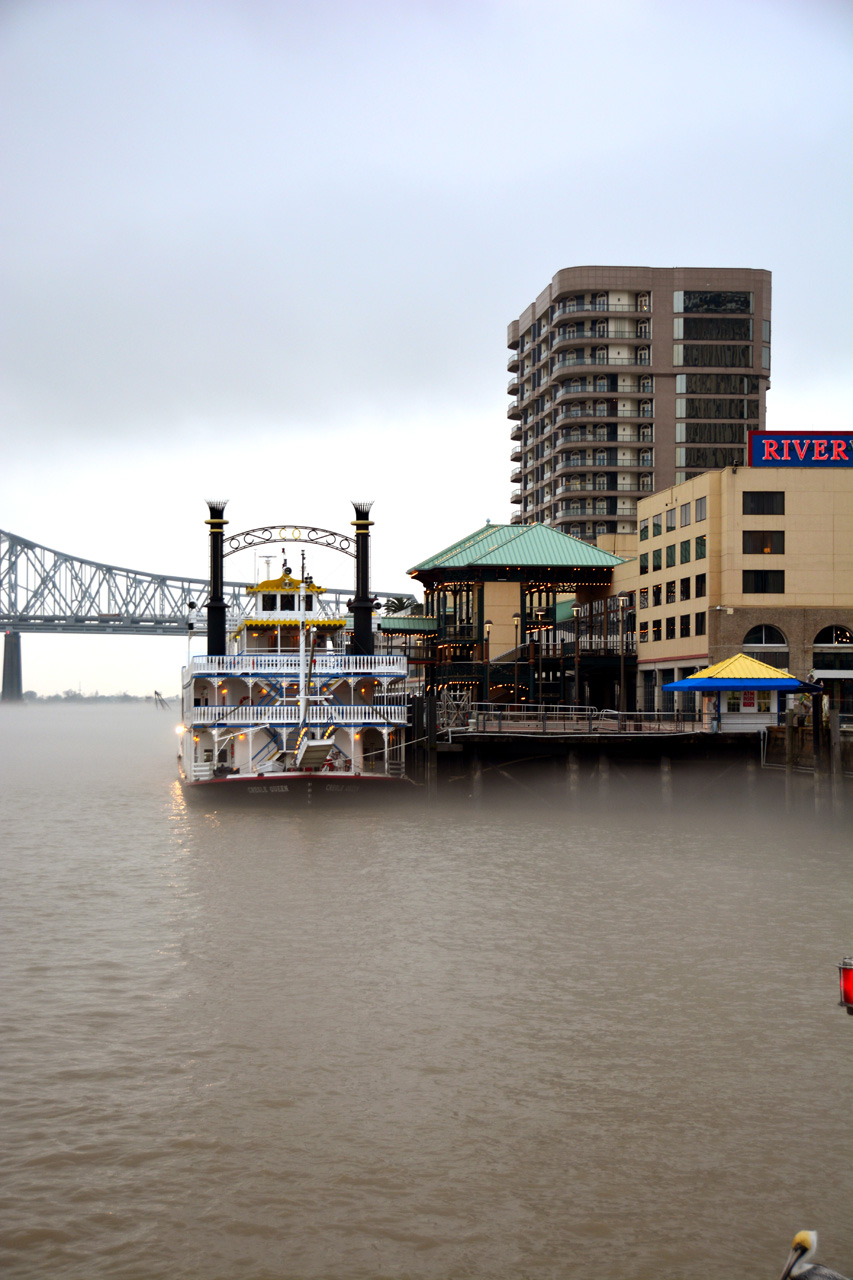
column 601, row 384
column 645, row 383
column 601, row 328
column 599, row 355
column 599, row 301
column 575, row 433
column 601, row 480
column 642, row 328
column 601, row 527
column 601, row 457
column 765, row 634
column 645, row 408
column 601, row 408
column 645, row 457
column 646, row 483
column 642, row 302
column 576, row 411
column 575, row 530
column 834, row 635
column 576, row 384
column 601, row 506
column 575, row 507
column 643, row 355
column 574, row 482
column 574, row 459
column 601, row 433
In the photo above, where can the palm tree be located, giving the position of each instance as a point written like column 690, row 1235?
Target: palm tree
column 397, row 604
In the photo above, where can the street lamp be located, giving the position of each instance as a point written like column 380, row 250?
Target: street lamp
column 487, row 628
column 540, row 614
column 516, row 618
column 623, row 598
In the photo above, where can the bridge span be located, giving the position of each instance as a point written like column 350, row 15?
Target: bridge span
column 46, row 591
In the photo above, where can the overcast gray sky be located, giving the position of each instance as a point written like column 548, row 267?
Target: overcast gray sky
column 269, row 250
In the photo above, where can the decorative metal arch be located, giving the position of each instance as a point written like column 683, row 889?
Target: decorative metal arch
column 267, row 535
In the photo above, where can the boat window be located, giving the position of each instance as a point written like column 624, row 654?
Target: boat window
column 268, row 602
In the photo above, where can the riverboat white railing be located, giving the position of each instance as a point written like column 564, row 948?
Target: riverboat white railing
column 274, row 664
column 318, row 714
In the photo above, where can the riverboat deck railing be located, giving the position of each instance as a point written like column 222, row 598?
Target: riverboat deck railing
column 285, row 663
column 284, row 714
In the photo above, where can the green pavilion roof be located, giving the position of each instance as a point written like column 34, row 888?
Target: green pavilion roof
column 408, row 626
column 519, row 545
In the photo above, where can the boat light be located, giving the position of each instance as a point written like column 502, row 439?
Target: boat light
column 845, row 979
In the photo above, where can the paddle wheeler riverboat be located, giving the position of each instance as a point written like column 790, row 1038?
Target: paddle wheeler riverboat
column 286, row 712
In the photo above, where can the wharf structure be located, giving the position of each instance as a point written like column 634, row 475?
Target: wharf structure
column 625, row 380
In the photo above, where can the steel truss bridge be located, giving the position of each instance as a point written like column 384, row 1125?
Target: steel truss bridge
column 42, row 590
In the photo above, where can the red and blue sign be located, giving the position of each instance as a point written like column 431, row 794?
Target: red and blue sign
column 800, row 449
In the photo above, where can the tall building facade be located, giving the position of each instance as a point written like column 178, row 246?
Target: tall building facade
column 626, row 380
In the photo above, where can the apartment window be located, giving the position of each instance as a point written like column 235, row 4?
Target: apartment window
column 601, row 528
column 700, row 585
column 763, row 542
column 644, row 562
column 644, row 530
column 644, row 597
column 699, row 629
column 670, row 520
column 685, row 514
column 644, row 632
column 763, row 582
column 656, row 596
column 670, row 592
column 670, row 628
column 670, row 555
column 758, row 502
column 684, row 625
column 645, row 458
column 656, row 526
column 656, row 629
column 685, row 588
column 701, row 547
column 656, row 559
column 685, row 551
column 701, row 507
column 601, row 457
column 601, row 480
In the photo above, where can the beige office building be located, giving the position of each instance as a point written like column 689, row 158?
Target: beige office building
column 626, row 380
column 752, row 560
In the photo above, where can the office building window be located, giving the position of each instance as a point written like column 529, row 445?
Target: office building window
column 685, row 514
column 700, row 624
column 763, row 582
column 644, row 597
column 700, row 547
column 670, row 555
column 685, row 588
column 656, row 559
column 685, row 551
column 670, row 520
column 700, row 585
column 656, row 629
column 763, row 542
column 656, row 526
column 644, row 562
column 644, row 632
column 670, row 628
column 670, row 592
column 701, row 508
column 685, row 625
column 644, row 530
column 656, row 596
column 763, row 503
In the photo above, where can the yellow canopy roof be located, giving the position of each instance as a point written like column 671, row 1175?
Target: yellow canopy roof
column 741, row 667
column 284, row 583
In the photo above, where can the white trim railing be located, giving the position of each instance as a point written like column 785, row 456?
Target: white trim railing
column 342, row 664
column 322, row 714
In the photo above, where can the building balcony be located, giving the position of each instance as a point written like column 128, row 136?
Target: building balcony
column 598, row 362
column 514, row 410
column 515, row 477
column 513, row 361
column 515, row 518
column 515, row 496
column 516, row 432
column 589, row 435
column 568, row 465
column 577, row 413
column 288, row 714
column 512, row 387
column 630, row 389
column 589, row 486
column 516, row 454
column 585, row 308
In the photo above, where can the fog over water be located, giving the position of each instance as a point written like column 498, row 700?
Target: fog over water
column 541, row 1036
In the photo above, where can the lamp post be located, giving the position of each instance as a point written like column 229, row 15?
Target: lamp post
column 516, row 618
column 487, row 630
column 623, row 598
column 540, row 614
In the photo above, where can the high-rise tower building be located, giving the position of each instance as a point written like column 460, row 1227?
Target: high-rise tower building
column 631, row 379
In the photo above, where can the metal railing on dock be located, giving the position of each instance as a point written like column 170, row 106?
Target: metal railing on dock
column 532, row 718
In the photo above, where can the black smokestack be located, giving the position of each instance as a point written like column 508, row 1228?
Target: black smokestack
column 362, row 605
column 216, row 602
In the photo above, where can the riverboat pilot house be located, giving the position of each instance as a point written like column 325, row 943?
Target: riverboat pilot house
column 494, row 606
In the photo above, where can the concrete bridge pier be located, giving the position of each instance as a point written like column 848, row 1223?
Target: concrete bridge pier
column 13, row 689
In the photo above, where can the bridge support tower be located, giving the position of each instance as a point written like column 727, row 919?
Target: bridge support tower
column 13, row 689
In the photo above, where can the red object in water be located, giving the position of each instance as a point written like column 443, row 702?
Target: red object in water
column 845, row 977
